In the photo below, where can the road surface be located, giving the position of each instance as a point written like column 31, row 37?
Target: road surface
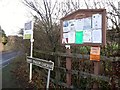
column 6, row 57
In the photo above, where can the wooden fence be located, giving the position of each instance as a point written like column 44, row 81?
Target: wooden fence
column 83, row 73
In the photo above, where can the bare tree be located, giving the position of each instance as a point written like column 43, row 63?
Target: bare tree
column 46, row 19
column 115, row 15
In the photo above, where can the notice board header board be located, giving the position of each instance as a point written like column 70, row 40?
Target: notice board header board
column 85, row 27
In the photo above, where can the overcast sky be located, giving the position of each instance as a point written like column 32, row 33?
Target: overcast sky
column 13, row 15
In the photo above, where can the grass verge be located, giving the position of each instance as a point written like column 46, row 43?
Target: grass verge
column 16, row 75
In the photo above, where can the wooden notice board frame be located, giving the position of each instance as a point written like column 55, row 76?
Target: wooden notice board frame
column 85, row 13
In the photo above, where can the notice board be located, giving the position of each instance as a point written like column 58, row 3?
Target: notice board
column 84, row 27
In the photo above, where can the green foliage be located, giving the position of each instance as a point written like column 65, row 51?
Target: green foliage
column 85, row 49
column 4, row 40
column 82, row 82
column 3, row 36
column 110, row 49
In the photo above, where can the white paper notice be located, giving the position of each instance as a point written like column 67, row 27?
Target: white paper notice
column 72, row 25
column 66, row 26
column 28, row 32
column 87, row 36
column 97, row 36
column 71, row 37
column 66, row 29
column 87, row 23
column 65, row 35
column 96, row 21
column 79, row 24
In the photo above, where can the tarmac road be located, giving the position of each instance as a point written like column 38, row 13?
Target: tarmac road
column 7, row 57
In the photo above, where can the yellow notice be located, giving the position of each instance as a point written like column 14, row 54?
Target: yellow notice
column 95, row 53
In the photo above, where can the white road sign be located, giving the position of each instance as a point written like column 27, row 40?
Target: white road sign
column 28, row 30
column 41, row 63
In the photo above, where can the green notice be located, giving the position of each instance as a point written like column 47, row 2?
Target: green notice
column 79, row 37
column 27, row 36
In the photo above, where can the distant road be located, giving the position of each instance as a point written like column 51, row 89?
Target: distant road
column 6, row 57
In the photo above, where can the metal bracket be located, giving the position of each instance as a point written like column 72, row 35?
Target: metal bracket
column 32, row 40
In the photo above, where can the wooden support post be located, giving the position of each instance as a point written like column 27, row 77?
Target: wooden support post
column 96, row 72
column 68, row 67
column 57, row 62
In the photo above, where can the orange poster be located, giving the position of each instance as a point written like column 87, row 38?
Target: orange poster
column 95, row 53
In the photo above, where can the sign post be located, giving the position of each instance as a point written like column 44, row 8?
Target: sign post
column 48, row 79
column 95, row 56
column 28, row 34
column 31, row 55
column 68, row 66
column 43, row 64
